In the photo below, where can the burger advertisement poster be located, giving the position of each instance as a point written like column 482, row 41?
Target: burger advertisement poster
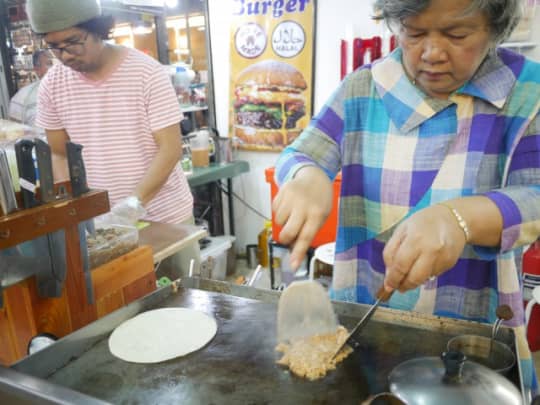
column 271, row 72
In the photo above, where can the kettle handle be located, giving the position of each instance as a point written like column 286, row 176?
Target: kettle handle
column 383, row 398
column 212, row 148
column 214, row 130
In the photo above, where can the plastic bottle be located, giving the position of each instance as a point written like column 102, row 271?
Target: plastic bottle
column 263, row 239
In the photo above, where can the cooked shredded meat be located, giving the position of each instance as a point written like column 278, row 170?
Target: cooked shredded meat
column 311, row 357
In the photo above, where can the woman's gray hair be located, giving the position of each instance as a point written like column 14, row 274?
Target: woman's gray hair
column 502, row 15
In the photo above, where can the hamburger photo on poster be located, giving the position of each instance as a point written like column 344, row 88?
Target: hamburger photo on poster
column 272, row 62
column 269, row 105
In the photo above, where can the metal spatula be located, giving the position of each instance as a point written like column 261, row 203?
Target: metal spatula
column 304, row 310
column 382, row 296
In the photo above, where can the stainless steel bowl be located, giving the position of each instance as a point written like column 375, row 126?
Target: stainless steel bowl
column 483, row 350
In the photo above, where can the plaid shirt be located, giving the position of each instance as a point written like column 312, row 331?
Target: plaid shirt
column 400, row 151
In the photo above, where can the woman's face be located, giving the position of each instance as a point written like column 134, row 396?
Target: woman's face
column 443, row 46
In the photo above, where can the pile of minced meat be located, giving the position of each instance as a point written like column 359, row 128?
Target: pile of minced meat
column 313, row 357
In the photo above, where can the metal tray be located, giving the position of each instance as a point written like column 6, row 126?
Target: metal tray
column 238, row 365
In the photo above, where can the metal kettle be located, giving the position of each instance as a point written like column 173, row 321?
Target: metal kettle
column 216, row 156
column 450, row 380
column 223, row 152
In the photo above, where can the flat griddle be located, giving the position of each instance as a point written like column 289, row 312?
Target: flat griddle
column 239, row 365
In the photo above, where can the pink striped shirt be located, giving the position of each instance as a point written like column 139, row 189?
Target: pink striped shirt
column 114, row 120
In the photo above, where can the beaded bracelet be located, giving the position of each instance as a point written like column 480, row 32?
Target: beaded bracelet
column 461, row 222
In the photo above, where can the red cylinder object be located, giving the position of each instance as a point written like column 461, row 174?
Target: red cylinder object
column 344, row 59
column 376, row 48
column 393, row 43
column 531, row 279
column 359, row 48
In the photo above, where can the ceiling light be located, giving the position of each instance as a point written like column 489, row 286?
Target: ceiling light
column 121, row 30
column 171, row 3
column 142, row 30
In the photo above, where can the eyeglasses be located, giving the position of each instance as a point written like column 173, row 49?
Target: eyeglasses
column 75, row 48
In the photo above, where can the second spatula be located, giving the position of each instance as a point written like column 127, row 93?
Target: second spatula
column 305, row 310
column 382, row 296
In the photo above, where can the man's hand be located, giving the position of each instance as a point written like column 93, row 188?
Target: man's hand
column 129, row 210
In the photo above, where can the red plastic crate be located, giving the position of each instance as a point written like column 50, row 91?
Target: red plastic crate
column 327, row 233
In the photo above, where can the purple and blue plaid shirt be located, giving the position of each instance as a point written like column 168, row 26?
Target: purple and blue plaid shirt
column 400, row 151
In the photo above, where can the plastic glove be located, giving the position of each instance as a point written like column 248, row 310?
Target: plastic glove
column 129, row 209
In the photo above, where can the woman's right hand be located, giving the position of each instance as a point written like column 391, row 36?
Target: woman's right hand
column 301, row 207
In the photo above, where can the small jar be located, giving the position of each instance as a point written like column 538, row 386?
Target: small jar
column 186, row 162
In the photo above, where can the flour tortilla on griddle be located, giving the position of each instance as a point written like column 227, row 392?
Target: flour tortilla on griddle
column 162, row 334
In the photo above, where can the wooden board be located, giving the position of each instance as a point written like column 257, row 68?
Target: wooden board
column 123, row 280
column 31, row 223
column 82, row 313
column 20, row 315
column 139, row 288
column 51, row 315
column 7, row 342
column 110, row 303
column 122, row 271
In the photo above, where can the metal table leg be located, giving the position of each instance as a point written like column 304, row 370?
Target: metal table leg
column 230, row 203
column 271, row 263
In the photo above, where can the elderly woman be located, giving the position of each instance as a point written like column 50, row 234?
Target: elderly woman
column 439, row 148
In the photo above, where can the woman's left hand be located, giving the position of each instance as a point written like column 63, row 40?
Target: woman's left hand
column 424, row 245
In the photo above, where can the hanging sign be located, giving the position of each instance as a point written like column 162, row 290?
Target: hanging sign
column 271, row 72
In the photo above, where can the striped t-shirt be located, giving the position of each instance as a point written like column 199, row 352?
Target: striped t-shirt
column 114, row 119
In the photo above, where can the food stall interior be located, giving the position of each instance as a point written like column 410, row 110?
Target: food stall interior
column 175, row 34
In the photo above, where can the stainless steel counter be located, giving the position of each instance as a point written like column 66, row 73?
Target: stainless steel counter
column 238, row 365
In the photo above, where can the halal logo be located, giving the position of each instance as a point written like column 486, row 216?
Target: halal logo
column 288, row 39
column 250, row 40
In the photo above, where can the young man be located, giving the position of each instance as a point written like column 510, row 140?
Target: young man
column 23, row 105
column 119, row 104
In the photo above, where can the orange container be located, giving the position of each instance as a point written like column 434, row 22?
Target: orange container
column 327, row 233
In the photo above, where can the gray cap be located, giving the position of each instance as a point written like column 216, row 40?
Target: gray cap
column 57, row 15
